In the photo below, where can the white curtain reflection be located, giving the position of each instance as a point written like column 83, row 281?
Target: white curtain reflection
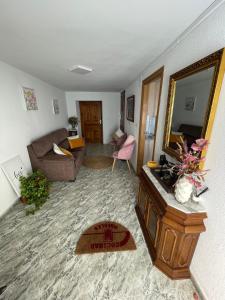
column 150, row 126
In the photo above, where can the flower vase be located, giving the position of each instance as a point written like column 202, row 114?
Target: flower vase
column 195, row 199
column 183, row 190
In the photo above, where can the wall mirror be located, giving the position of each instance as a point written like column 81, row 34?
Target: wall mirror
column 192, row 100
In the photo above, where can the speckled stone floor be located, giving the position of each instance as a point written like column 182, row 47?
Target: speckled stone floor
column 37, row 259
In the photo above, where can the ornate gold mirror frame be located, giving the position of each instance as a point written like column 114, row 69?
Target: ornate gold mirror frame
column 216, row 60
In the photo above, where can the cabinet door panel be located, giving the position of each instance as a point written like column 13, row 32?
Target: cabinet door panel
column 152, row 223
column 142, row 201
column 186, row 249
column 168, row 245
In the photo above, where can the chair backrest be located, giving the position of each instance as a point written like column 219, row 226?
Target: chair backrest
column 127, row 148
column 130, row 139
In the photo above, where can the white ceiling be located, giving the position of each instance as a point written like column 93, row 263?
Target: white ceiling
column 118, row 38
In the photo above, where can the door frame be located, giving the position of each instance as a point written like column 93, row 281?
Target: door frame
column 122, row 109
column 92, row 101
column 144, row 104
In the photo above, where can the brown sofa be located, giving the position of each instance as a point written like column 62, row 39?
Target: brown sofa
column 55, row 167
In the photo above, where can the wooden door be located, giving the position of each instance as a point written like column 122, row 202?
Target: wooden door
column 145, row 101
column 91, row 121
column 122, row 110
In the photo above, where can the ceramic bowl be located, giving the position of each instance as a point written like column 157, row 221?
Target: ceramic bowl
column 152, row 164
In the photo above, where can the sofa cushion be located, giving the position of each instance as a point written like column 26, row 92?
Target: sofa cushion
column 44, row 144
column 52, row 156
column 76, row 143
column 64, row 144
column 60, row 135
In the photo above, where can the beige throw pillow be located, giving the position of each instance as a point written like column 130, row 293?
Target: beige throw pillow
column 61, row 151
column 119, row 133
column 57, row 150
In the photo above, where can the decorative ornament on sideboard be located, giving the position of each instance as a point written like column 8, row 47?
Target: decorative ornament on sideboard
column 190, row 175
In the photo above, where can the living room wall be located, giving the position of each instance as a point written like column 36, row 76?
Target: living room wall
column 110, row 108
column 19, row 127
column 205, row 37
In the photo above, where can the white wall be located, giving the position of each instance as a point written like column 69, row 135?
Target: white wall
column 17, row 126
column 208, row 265
column 110, row 109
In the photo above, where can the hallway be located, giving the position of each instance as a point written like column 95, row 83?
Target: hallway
column 37, row 259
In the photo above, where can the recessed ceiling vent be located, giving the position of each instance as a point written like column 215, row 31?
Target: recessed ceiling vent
column 80, row 69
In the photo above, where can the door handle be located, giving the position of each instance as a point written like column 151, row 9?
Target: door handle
column 100, row 122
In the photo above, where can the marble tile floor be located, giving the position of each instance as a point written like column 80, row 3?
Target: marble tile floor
column 37, row 259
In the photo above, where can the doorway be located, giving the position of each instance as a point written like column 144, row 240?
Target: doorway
column 91, row 121
column 150, row 102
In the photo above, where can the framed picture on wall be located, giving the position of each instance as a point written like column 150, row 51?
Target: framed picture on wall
column 30, row 99
column 130, row 108
column 13, row 169
column 55, row 104
column 190, row 103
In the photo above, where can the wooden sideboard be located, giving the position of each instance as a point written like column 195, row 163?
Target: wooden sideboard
column 171, row 230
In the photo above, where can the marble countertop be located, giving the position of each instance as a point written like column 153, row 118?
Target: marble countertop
column 189, row 207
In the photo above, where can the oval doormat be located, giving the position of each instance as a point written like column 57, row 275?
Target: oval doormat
column 98, row 162
column 105, row 236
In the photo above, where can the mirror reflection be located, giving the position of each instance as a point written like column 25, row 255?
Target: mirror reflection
column 191, row 104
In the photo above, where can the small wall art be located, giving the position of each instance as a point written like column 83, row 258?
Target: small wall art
column 55, row 104
column 13, row 169
column 30, row 99
column 130, row 108
column 190, row 103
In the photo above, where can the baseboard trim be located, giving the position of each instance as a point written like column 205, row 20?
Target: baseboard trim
column 198, row 289
column 7, row 210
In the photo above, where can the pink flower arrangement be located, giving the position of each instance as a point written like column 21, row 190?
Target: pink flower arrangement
column 191, row 160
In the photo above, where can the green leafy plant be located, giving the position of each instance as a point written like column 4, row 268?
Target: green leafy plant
column 73, row 121
column 35, row 190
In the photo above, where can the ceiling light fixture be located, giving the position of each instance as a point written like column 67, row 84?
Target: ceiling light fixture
column 80, row 69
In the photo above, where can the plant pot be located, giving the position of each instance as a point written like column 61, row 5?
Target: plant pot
column 183, row 190
column 23, row 200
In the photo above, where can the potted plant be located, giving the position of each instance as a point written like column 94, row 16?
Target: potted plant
column 73, row 121
column 190, row 175
column 34, row 190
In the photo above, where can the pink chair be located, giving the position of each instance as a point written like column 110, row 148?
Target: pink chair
column 125, row 151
